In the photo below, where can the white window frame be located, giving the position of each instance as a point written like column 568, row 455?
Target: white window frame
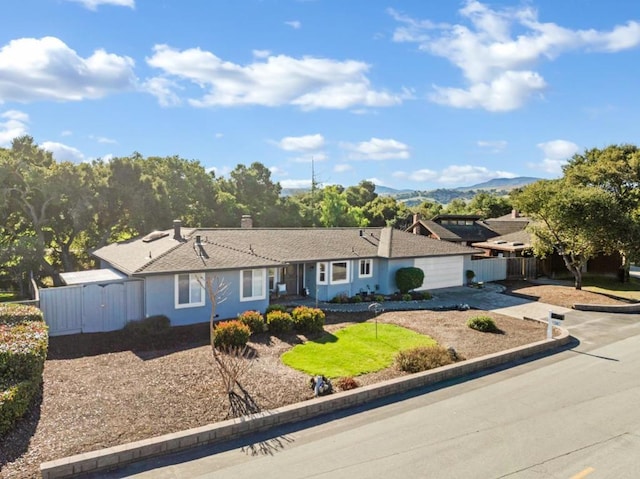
column 260, row 274
column 367, row 263
column 195, row 280
column 347, row 271
column 323, row 269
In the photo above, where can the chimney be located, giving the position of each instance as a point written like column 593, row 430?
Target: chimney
column 416, row 226
column 246, row 221
column 515, row 214
column 177, row 234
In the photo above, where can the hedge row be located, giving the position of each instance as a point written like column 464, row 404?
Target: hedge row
column 24, row 341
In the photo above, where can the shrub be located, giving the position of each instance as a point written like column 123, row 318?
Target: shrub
column 484, row 324
column 421, row 295
column 308, row 319
column 378, row 298
column 11, row 313
column 355, row 299
column 275, row 307
column 230, row 334
column 423, row 358
column 340, row 298
column 254, row 320
column 470, row 274
column 151, row 326
column 407, row 297
column 24, row 341
column 279, row 322
column 346, row 383
column 409, row 278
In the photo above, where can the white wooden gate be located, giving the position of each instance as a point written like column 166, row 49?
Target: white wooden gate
column 91, row 308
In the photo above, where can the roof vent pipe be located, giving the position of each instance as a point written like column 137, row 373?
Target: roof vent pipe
column 177, row 234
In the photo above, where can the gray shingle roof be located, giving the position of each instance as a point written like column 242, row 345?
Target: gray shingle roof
column 236, row 248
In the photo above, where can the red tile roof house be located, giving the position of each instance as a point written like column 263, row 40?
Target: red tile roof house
column 320, row 262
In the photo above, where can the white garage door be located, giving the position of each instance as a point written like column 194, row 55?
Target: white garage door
column 442, row 272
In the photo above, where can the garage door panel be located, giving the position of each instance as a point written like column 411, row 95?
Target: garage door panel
column 444, row 272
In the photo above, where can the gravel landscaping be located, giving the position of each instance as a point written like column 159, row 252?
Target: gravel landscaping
column 102, row 390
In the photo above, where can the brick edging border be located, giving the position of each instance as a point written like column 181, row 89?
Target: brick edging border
column 118, row 456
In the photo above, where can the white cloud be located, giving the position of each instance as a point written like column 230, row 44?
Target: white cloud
column 62, row 152
column 295, row 24
column 276, row 80
column 377, row 149
column 13, row 123
column 495, row 146
column 66, row 133
column 295, row 183
column 423, row 175
column 497, row 51
column 261, row 53
column 342, row 168
column 102, row 139
column 47, row 69
column 163, row 89
column 469, row 175
column 311, row 157
column 556, row 154
column 107, row 158
column 302, row 143
column 94, row 4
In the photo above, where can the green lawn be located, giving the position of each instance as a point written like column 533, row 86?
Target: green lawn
column 611, row 286
column 7, row 296
column 354, row 350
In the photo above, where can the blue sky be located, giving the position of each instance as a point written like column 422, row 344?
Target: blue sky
column 408, row 94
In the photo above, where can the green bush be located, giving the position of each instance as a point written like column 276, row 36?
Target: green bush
column 484, row 324
column 23, row 350
column 423, row 358
column 24, row 341
column 11, row 313
column 409, row 278
column 421, row 295
column 275, row 307
column 150, row 326
column 279, row 322
column 254, row 320
column 15, row 400
column 340, row 298
column 355, row 299
column 231, row 334
column 378, row 298
column 407, row 297
column 308, row 319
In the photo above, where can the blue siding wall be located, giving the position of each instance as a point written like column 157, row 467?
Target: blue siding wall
column 160, row 299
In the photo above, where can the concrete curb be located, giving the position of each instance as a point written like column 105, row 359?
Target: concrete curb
column 609, row 308
column 118, row 456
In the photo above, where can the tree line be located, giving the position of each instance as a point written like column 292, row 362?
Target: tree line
column 55, row 213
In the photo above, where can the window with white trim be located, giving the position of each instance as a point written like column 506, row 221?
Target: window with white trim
column 322, row 273
column 189, row 290
column 252, row 284
column 366, row 268
column 339, row 272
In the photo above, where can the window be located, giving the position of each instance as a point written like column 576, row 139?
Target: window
column 252, row 282
column 365, row 268
column 322, row 273
column 189, row 290
column 272, row 279
column 339, row 272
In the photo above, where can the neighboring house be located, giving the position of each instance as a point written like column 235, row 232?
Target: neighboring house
column 257, row 263
column 467, row 229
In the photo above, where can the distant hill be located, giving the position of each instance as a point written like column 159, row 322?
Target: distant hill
column 502, row 183
column 498, row 186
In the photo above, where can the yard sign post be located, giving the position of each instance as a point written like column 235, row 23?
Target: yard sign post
column 553, row 320
column 375, row 307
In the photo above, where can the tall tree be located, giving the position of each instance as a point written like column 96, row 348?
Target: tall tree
column 568, row 220
column 361, row 194
column 489, row 205
column 616, row 170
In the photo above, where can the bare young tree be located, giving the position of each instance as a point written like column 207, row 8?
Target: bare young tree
column 232, row 363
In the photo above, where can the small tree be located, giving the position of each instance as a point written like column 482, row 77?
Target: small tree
column 409, row 278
